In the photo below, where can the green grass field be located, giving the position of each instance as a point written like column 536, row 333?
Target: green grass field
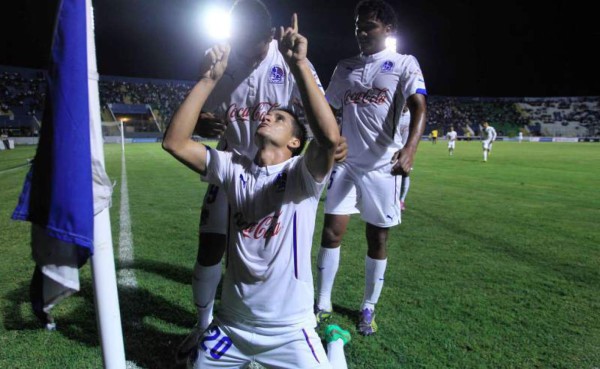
column 495, row 265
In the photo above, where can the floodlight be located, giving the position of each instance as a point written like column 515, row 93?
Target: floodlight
column 216, row 23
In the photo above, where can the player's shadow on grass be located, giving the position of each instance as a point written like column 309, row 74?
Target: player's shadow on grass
column 147, row 320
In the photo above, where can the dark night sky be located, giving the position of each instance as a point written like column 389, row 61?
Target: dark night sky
column 465, row 47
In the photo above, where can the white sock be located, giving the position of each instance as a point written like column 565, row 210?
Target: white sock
column 405, row 186
column 328, row 263
column 204, row 287
column 335, row 354
column 374, row 272
column 485, row 153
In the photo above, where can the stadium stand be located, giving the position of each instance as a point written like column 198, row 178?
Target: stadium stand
column 151, row 102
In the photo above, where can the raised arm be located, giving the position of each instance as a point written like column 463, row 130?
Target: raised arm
column 320, row 152
column 178, row 137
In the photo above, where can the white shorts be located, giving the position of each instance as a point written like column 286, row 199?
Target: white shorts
column 374, row 194
column 451, row 144
column 223, row 346
column 215, row 208
column 487, row 144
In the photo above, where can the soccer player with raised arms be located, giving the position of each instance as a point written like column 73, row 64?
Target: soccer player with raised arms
column 257, row 79
column 266, row 314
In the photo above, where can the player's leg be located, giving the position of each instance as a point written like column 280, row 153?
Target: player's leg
column 340, row 203
column 380, row 210
column 404, row 191
column 328, row 262
column 375, row 266
column 336, row 339
column 207, row 268
column 485, row 150
column 298, row 348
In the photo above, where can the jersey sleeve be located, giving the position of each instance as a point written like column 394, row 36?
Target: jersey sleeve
column 411, row 78
column 302, row 183
column 334, row 90
column 219, row 168
column 296, row 98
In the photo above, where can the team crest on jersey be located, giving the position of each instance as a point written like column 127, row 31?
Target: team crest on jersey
column 280, row 182
column 387, row 66
column 277, row 74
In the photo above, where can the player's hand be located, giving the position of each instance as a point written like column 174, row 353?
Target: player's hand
column 341, row 151
column 210, row 126
column 292, row 45
column 215, row 62
column 402, row 162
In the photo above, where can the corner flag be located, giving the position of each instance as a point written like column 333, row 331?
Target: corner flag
column 57, row 194
column 67, row 193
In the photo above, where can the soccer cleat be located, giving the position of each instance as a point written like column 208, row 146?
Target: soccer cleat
column 334, row 332
column 322, row 315
column 188, row 345
column 367, row 325
column 402, row 207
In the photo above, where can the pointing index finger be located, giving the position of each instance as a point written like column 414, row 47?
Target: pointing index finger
column 295, row 22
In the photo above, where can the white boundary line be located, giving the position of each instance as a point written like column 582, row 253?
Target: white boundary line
column 126, row 276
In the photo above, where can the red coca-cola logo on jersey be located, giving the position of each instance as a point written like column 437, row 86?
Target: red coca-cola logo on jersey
column 374, row 95
column 255, row 113
column 267, row 227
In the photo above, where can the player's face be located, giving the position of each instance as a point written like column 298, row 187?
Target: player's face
column 249, row 45
column 278, row 127
column 249, row 39
column 370, row 33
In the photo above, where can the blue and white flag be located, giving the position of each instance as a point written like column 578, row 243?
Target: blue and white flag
column 57, row 194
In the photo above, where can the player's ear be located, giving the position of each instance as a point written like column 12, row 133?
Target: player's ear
column 293, row 144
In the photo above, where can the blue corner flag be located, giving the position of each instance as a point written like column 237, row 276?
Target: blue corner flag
column 57, row 193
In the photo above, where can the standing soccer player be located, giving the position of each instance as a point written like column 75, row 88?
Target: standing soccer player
column 488, row 137
column 404, row 125
column 266, row 315
column 370, row 89
column 257, row 80
column 451, row 140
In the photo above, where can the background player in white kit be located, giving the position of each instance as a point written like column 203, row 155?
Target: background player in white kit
column 266, row 315
column 257, row 79
column 451, row 140
column 488, row 136
column 370, row 89
column 404, row 126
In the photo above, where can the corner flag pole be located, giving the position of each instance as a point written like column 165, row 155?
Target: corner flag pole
column 108, row 315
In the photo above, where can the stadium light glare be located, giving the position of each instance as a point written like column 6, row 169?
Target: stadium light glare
column 391, row 43
column 216, row 23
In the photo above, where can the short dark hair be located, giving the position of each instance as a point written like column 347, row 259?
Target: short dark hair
column 299, row 130
column 382, row 10
column 253, row 16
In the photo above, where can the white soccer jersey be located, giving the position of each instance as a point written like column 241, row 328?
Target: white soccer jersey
column 365, row 88
column 489, row 134
column 268, row 282
column 451, row 136
column 245, row 94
